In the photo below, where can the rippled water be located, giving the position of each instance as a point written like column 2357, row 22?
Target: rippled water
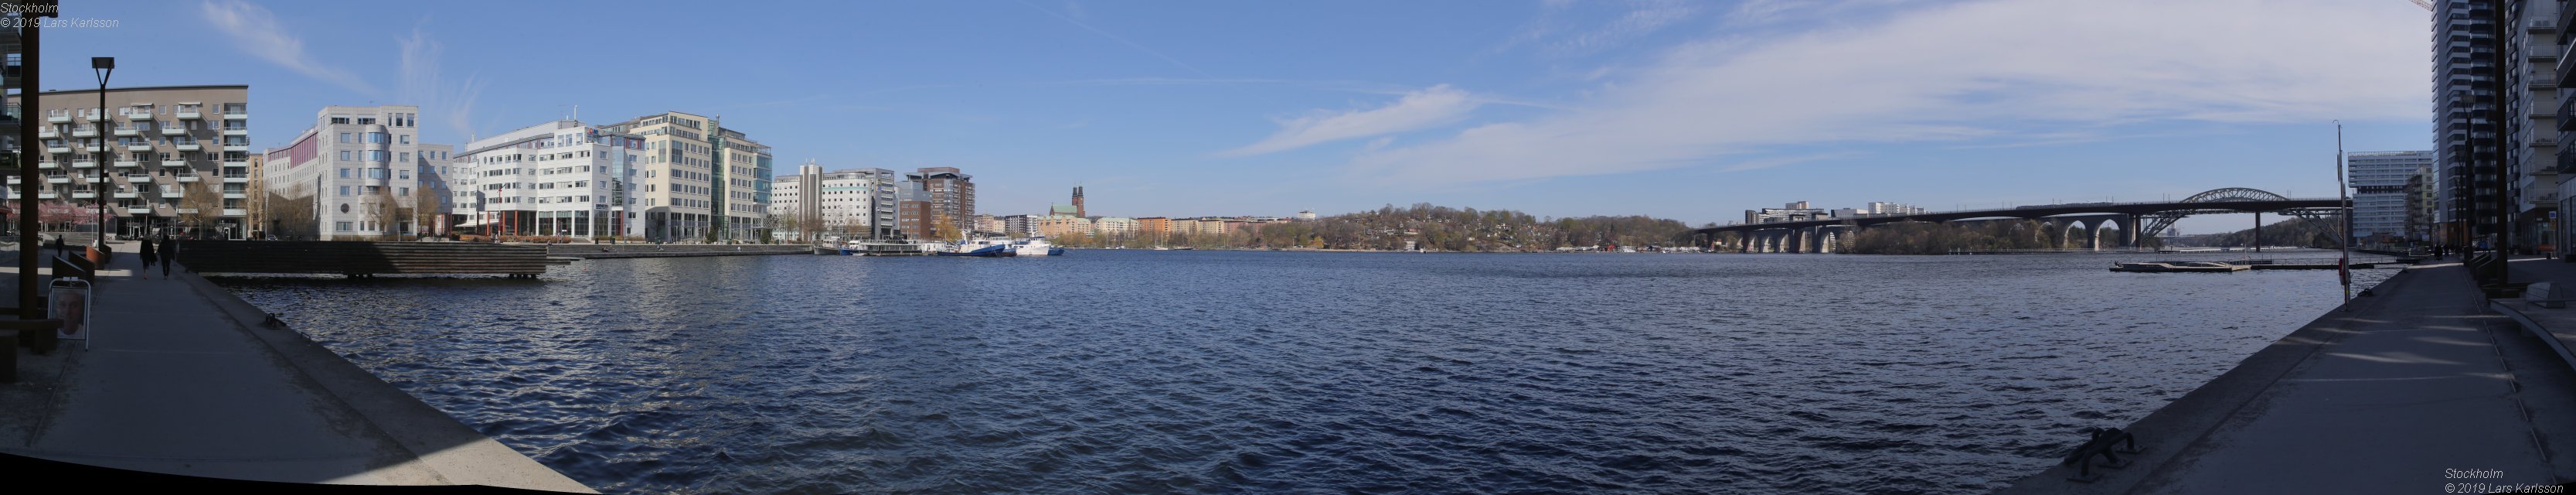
column 1210, row 371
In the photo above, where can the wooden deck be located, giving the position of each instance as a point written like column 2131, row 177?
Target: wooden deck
column 359, row 258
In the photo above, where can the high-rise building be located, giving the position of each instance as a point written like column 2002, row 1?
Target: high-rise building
column 853, row 203
column 700, row 180
column 559, row 178
column 2494, row 108
column 939, row 203
column 2531, row 120
column 176, row 159
column 365, row 172
column 2378, row 181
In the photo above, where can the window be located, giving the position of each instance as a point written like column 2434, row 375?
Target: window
column 406, row 174
column 344, row 173
column 375, row 189
column 405, row 157
column 344, row 155
column 405, row 191
column 344, row 137
column 406, row 138
column 344, row 191
column 343, row 226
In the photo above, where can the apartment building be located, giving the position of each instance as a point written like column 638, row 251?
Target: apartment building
column 851, row 203
column 559, row 178
column 936, row 202
column 363, row 171
column 160, row 160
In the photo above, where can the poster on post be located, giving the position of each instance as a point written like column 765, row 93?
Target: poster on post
column 70, row 301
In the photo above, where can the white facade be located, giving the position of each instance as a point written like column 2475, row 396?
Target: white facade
column 2378, row 182
column 559, row 178
column 365, row 170
column 851, row 203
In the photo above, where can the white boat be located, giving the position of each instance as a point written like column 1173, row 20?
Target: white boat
column 1037, row 246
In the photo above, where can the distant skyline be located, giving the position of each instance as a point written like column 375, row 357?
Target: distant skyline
column 1687, row 110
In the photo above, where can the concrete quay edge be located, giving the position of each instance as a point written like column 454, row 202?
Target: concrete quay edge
column 2172, row 429
column 438, row 442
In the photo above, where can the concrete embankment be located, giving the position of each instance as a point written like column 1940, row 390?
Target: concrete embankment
column 182, row 377
column 604, row 251
column 2401, row 393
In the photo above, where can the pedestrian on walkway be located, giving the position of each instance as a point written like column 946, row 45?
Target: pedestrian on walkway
column 149, row 256
column 169, row 255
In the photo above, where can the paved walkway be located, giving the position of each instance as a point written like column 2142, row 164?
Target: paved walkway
column 2419, row 379
column 182, row 378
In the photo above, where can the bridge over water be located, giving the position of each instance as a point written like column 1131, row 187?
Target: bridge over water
column 1820, row 236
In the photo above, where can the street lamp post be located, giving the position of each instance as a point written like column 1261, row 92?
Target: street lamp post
column 103, row 66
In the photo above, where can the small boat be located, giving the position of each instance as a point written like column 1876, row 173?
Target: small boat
column 1183, row 248
column 2179, row 267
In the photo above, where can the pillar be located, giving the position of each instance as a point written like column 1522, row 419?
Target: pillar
column 2129, row 231
column 2258, row 232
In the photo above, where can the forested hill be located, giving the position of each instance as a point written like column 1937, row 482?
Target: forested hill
column 1440, row 228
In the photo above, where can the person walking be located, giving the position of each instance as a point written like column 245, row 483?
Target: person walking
column 149, row 256
column 169, row 255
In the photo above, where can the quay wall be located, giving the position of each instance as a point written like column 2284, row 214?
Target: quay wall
column 606, row 251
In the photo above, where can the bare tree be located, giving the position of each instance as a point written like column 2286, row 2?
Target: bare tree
column 424, row 211
column 200, row 209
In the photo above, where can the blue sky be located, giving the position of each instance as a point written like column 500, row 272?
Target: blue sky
column 1687, row 110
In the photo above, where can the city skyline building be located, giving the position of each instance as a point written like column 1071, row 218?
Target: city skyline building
column 361, row 170
column 559, row 178
column 2379, row 195
column 856, row 202
column 700, row 180
column 934, row 199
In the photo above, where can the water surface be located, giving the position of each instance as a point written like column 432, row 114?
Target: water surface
column 1216, row 371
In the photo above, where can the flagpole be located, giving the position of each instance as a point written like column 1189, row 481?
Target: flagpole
column 2343, row 267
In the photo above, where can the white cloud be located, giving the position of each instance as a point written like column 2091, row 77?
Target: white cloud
column 1960, row 72
column 257, row 31
column 440, row 101
column 1418, row 110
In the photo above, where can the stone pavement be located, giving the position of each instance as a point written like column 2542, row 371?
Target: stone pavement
column 2418, row 379
column 184, row 378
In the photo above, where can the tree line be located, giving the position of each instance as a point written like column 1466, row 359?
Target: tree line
column 1428, row 227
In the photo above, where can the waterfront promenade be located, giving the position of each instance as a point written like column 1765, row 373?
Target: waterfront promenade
column 185, row 379
column 2420, row 378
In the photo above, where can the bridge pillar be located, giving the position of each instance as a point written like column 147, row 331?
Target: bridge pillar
column 2129, row 231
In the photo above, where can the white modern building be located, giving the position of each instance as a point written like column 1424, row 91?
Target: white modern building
column 559, row 178
column 365, row 173
column 2378, row 181
column 700, row 181
column 853, row 203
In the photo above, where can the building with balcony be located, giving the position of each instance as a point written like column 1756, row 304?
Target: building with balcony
column 559, row 178
column 156, row 157
column 2532, row 48
column 2379, row 194
column 363, row 172
column 849, row 204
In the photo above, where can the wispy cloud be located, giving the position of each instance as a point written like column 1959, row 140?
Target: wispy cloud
column 424, row 84
column 1562, row 30
column 1419, row 110
column 1998, row 69
column 255, row 30
column 1763, row 163
column 1113, row 37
